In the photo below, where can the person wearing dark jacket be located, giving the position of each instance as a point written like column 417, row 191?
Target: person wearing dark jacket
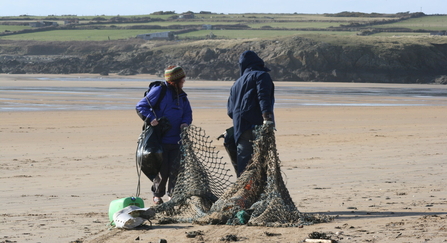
column 250, row 103
column 175, row 106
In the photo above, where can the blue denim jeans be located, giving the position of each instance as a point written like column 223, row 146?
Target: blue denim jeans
column 244, row 150
column 168, row 172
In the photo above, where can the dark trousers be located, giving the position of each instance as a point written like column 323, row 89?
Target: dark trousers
column 168, row 172
column 244, row 150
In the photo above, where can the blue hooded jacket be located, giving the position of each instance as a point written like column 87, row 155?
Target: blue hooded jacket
column 251, row 95
column 172, row 106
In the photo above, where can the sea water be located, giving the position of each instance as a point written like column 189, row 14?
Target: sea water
column 56, row 95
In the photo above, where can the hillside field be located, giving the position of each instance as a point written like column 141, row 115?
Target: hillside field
column 220, row 26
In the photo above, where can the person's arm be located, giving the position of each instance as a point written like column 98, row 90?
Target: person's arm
column 265, row 88
column 230, row 106
column 144, row 109
column 187, row 114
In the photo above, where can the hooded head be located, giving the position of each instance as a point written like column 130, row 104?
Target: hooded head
column 249, row 59
column 174, row 74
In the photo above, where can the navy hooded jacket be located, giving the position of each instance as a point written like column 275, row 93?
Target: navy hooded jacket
column 251, row 95
column 172, row 106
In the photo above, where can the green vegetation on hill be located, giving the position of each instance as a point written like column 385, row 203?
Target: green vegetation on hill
column 8, row 28
column 432, row 23
column 224, row 26
column 344, row 47
column 78, row 35
column 243, row 34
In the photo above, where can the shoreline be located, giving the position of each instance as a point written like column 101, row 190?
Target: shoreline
column 92, row 92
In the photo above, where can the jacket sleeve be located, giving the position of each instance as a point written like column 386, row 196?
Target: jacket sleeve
column 230, row 106
column 187, row 112
column 143, row 108
column 265, row 88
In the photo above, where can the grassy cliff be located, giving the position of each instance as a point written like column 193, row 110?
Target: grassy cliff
column 345, row 47
column 295, row 58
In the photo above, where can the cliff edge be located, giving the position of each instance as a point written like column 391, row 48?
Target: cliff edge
column 314, row 58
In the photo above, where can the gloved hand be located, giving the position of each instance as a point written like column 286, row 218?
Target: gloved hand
column 269, row 124
column 183, row 125
column 267, row 116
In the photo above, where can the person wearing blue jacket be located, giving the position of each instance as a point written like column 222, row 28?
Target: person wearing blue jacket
column 250, row 103
column 175, row 106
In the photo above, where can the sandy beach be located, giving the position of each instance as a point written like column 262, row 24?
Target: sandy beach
column 376, row 163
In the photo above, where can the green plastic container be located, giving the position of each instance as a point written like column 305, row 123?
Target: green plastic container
column 118, row 204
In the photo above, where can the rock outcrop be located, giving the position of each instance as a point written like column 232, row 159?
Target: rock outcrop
column 289, row 58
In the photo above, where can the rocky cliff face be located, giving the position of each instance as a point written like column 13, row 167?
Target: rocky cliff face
column 290, row 59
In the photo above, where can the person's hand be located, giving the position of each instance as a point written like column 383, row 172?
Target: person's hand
column 269, row 124
column 154, row 122
column 183, row 125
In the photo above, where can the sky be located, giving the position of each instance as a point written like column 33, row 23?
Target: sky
column 140, row 7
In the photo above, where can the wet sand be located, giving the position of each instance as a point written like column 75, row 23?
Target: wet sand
column 378, row 169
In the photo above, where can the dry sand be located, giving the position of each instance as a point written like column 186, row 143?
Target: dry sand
column 379, row 170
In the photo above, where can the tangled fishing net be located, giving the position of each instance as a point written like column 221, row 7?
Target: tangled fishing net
column 204, row 193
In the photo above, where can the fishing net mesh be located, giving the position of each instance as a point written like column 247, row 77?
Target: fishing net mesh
column 204, row 193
